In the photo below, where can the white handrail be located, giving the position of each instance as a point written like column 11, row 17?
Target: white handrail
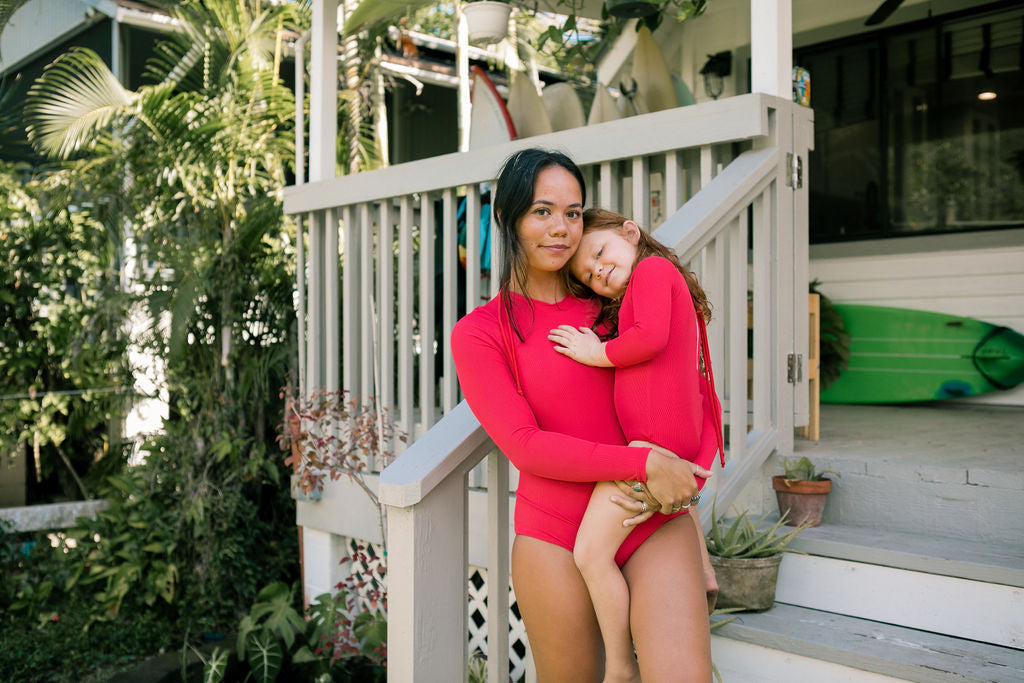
column 735, row 118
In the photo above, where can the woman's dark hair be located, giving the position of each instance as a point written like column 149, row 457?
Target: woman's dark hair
column 608, row 318
column 513, row 198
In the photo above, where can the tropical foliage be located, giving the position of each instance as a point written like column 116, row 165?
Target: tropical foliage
column 174, row 187
column 63, row 368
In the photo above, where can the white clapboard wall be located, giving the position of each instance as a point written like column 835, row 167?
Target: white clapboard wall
column 978, row 275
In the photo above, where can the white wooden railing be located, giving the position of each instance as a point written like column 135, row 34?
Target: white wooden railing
column 724, row 173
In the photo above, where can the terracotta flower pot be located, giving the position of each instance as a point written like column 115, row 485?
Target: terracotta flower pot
column 746, row 582
column 803, row 500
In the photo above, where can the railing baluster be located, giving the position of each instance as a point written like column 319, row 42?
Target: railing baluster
column 449, row 288
column 472, row 246
column 495, row 250
column 763, row 257
column 314, row 356
column 386, row 307
column 300, row 302
column 641, row 193
column 673, row 183
column 365, row 302
column 737, row 314
column 405, row 305
column 714, row 287
column 427, row 374
column 609, row 198
column 706, row 165
column 332, row 342
column 497, row 566
column 350, row 309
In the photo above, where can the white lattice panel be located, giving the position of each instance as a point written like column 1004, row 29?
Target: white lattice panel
column 367, row 569
column 517, row 650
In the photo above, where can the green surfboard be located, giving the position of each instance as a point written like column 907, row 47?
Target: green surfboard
column 900, row 355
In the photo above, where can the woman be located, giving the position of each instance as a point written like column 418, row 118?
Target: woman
column 555, row 420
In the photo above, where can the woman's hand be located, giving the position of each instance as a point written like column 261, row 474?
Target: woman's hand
column 671, row 480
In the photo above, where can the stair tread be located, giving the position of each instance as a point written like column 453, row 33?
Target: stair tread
column 975, row 560
column 896, row 651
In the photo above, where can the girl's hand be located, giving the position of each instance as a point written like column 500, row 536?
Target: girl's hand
column 671, row 480
column 629, row 504
column 581, row 344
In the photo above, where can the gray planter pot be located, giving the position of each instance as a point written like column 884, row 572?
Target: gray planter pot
column 746, row 582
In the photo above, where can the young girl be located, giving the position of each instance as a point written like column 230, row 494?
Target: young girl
column 654, row 312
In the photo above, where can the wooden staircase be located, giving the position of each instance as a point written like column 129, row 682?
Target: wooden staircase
column 917, row 573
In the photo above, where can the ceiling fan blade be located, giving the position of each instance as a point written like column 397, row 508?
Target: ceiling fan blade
column 883, row 12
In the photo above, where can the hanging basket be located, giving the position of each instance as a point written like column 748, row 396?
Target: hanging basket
column 630, row 9
column 487, row 21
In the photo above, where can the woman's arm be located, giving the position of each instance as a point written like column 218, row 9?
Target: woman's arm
column 652, row 285
column 490, row 389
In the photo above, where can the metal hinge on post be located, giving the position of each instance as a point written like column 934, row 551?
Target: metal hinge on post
column 794, row 368
column 795, row 166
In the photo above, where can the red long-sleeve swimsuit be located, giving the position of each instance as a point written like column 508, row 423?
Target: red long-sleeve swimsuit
column 553, row 418
column 660, row 394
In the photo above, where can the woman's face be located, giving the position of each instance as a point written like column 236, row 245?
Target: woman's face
column 550, row 230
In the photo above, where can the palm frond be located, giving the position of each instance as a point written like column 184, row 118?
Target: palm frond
column 371, row 12
column 74, row 100
column 7, row 10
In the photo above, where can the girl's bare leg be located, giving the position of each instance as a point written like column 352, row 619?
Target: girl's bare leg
column 710, row 580
column 668, row 607
column 557, row 612
column 600, row 535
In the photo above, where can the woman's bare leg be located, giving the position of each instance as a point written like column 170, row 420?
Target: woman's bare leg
column 557, row 613
column 668, row 607
column 710, row 580
column 600, row 535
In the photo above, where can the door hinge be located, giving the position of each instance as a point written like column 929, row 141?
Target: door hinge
column 794, row 368
column 795, row 169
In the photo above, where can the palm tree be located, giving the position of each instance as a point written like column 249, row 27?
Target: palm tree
column 210, row 141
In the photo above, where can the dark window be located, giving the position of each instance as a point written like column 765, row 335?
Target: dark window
column 903, row 142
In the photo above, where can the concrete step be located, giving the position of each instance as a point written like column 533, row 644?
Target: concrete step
column 1001, row 563
column 944, row 585
column 946, row 470
column 790, row 644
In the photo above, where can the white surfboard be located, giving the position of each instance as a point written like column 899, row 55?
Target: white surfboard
column 526, row 107
column 489, row 120
column 604, row 107
column 563, row 106
column 683, row 94
column 653, row 79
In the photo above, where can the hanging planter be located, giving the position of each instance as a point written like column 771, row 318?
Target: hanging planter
column 487, row 21
column 630, row 9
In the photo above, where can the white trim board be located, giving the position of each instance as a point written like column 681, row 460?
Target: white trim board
column 985, row 612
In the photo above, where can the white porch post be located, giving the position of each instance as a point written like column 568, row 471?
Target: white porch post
column 321, row 550
column 771, row 47
column 323, row 90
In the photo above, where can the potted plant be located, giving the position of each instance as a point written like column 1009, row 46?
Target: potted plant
column 746, row 556
column 802, row 491
column 487, row 20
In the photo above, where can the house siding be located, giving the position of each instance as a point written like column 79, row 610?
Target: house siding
column 977, row 275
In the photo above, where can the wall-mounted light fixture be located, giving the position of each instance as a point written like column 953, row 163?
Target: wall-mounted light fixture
column 717, row 67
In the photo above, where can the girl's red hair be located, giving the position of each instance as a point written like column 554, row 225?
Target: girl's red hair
column 608, row 317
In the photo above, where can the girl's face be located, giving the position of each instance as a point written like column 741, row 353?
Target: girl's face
column 550, row 230
column 605, row 259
